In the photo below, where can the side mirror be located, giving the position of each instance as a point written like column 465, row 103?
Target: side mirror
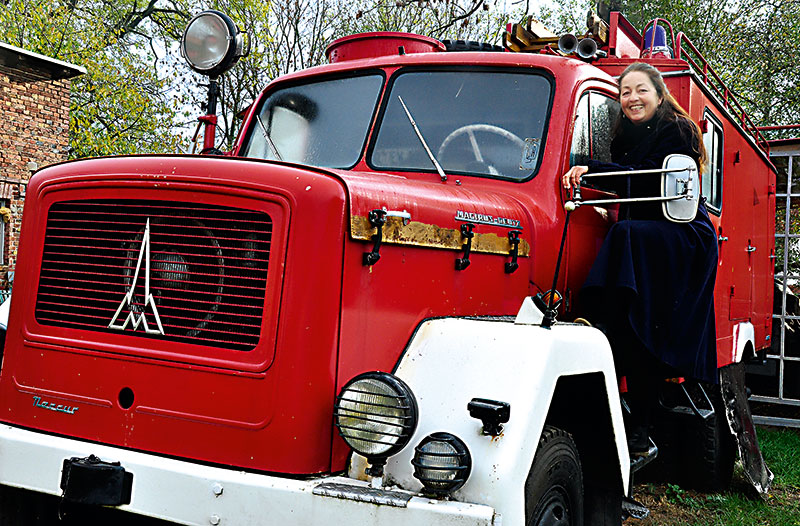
column 680, row 195
column 682, row 180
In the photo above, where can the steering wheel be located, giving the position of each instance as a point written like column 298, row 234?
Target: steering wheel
column 470, row 130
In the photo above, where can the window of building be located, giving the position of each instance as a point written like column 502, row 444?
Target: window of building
column 4, row 203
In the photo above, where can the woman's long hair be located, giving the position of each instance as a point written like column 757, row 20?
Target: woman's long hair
column 668, row 110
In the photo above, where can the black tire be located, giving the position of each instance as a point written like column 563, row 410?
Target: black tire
column 711, row 452
column 554, row 487
column 470, row 45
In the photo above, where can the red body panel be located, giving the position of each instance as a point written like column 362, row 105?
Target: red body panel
column 212, row 405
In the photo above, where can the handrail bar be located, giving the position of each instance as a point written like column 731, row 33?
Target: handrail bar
column 779, row 127
column 621, row 200
column 727, row 96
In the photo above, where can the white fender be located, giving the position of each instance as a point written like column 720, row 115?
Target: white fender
column 742, row 334
column 450, row 361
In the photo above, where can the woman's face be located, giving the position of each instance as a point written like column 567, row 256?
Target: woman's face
column 638, row 97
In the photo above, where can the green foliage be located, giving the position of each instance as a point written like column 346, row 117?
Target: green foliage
column 672, row 505
column 564, row 16
column 750, row 43
column 782, row 452
column 119, row 108
column 120, row 105
column 454, row 20
column 677, row 495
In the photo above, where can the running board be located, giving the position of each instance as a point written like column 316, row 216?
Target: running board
column 640, row 460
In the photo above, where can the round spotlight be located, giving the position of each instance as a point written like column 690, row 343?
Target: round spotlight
column 211, row 43
column 376, row 414
column 442, row 463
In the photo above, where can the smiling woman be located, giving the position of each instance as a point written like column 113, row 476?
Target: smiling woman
column 651, row 286
column 638, row 97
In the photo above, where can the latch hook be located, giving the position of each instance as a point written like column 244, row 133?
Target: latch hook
column 466, row 232
column 513, row 238
column 377, row 218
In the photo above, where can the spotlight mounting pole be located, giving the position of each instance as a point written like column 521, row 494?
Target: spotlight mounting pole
column 209, row 120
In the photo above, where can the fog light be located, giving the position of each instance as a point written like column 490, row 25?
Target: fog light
column 442, row 463
column 492, row 413
column 376, row 414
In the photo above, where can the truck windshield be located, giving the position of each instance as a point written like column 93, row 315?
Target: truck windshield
column 320, row 124
column 488, row 123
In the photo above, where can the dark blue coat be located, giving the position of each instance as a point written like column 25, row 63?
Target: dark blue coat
column 652, row 284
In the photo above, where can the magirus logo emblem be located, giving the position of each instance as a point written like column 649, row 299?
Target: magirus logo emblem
column 136, row 313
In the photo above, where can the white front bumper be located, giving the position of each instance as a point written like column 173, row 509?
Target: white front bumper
column 189, row 493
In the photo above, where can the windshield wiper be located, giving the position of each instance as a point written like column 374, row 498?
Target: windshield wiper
column 422, row 140
column 268, row 139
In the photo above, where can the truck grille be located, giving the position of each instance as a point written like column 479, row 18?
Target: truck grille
column 207, row 275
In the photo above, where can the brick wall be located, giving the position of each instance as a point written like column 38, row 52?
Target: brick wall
column 34, row 126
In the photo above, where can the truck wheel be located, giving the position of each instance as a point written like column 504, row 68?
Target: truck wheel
column 711, row 450
column 554, row 487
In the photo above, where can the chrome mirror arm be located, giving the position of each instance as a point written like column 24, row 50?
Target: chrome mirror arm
column 651, row 171
column 593, row 202
column 577, row 201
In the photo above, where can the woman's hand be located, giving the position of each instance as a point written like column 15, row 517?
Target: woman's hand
column 573, row 176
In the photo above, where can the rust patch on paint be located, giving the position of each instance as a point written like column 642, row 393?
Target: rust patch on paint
column 425, row 235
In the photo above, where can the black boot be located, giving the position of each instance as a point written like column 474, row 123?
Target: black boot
column 637, row 425
column 638, row 440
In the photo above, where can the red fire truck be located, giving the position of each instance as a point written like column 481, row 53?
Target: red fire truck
column 349, row 318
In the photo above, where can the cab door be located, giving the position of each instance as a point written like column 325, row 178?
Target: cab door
column 595, row 115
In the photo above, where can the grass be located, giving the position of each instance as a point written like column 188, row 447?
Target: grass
column 781, row 447
column 671, row 505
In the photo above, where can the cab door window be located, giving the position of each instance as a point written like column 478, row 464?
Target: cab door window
column 605, row 113
column 595, row 119
column 581, row 151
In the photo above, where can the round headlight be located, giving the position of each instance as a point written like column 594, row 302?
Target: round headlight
column 442, row 463
column 376, row 414
column 211, row 43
